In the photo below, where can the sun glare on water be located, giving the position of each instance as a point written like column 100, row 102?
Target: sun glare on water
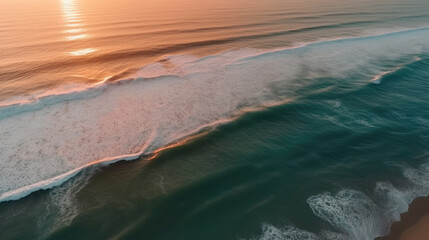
column 82, row 52
column 74, row 26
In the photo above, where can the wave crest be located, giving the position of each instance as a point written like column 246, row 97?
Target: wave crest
column 48, row 140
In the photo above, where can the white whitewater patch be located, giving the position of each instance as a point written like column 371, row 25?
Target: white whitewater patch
column 50, row 139
column 356, row 215
column 377, row 78
column 63, row 206
column 290, row 233
column 269, row 232
column 351, row 212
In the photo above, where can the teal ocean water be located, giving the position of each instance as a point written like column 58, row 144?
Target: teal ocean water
column 320, row 131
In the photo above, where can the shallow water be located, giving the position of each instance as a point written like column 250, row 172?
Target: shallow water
column 244, row 120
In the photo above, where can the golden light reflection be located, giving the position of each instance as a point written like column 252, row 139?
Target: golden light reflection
column 70, row 13
column 74, row 26
column 74, row 30
column 182, row 142
column 82, row 52
column 76, row 37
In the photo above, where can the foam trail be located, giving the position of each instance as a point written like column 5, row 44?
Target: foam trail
column 287, row 233
column 351, row 212
column 356, row 215
column 47, row 141
column 63, row 204
column 270, row 232
column 377, row 79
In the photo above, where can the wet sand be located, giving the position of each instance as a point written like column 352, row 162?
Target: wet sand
column 414, row 224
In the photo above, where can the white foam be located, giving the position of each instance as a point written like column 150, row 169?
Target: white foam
column 286, row 233
column 270, row 232
column 55, row 137
column 418, row 179
column 349, row 211
column 356, row 215
column 393, row 201
column 378, row 77
column 63, row 204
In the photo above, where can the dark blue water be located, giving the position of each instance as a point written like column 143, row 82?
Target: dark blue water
column 324, row 140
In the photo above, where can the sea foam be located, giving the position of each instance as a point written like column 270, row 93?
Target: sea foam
column 49, row 139
column 356, row 215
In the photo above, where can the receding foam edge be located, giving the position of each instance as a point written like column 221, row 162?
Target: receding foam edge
column 355, row 215
column 62, row 92
column 58, row 180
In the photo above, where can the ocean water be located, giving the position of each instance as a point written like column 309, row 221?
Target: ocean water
column 211, row 119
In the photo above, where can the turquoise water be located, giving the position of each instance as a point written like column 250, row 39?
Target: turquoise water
column 320, row 140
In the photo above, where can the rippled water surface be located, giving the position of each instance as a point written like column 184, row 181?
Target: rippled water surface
column 52, row 42
column 239, row 119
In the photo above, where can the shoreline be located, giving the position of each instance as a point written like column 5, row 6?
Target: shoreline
column 413, row 224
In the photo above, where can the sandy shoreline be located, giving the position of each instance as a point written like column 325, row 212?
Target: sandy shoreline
column 414, row 224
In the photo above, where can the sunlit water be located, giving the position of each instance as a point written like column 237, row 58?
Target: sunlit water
column 240, row 119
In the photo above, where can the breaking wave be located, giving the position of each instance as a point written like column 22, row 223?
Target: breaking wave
column 356, row 215
column 50, row 137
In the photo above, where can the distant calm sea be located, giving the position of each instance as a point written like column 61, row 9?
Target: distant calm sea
column 226, row 119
